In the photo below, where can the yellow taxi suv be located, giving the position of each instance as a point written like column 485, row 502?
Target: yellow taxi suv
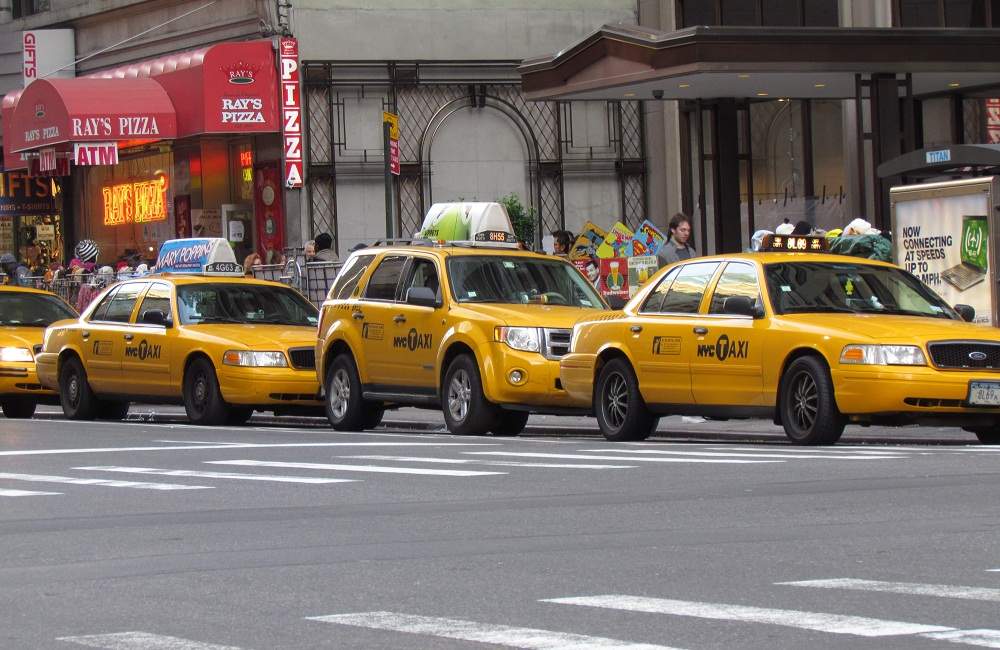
column 813, row 341
column 197, row 333
column 24, row 315
column 475, row 328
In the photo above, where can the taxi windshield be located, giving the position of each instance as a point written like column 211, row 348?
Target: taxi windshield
column 833, row 287
column 519, row 280
column 236, row 303
column 31, row 309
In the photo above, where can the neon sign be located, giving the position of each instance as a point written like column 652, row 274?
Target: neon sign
column 135, row 202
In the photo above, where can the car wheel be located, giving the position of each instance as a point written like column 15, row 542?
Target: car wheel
column 238, row 416
column 373, row 416
column 808, row 408
column 18, row 408
column 75, row 395
column 112, row 410
column 511, row 423
column 467, row 412
column 986, row 435
column 202, row 398
column 621, row 412
column 345, row 409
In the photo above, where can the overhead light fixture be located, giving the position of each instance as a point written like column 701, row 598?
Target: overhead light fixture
column 782, row 99
column 683, row 85
column 954, row 84
column 819, row 85
column 743, row 75
column 629, row 94
column 762, row 94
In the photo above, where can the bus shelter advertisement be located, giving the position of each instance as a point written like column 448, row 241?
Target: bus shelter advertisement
column 945, row 242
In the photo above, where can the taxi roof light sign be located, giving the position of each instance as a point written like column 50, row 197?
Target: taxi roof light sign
column 478, row 223
column 795, row 244
column 199, row 256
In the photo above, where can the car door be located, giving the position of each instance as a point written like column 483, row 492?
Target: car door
column 147, row 358
column 373, row 315
column 416, row 330
column 727, row 365
column 662, row 336
column 105, row 336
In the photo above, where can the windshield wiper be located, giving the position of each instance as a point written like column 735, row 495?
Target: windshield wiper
column 272, row 321
column 824, row 310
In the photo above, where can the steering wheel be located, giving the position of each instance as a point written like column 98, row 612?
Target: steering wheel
column 554, row 298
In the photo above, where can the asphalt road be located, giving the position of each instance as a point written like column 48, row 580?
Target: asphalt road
column 168, row 536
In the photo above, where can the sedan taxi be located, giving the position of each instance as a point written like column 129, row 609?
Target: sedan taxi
column 24, row 315
column 813, row 341
column 221, row 344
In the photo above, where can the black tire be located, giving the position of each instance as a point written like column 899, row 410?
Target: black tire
column 202, row 397
column 373, row 415
column 75, row 395
column 511, row 423
column 467, row 412
column 621, row 412
column 345, row 408
column 18, row 408
column 112, row 410
column 808, row 407
column 986, row 435
column 238, row 416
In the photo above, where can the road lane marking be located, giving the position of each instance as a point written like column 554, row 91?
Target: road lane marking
column 229, row 475
column 738, row 454
column 629, row 459
column 836, row 449
column 25, row 493
column 41, row 478
column 832, row 623
column 242, row 445
column 353, row 468
column 462, row 630
column 981, row 638
column 940, row 591
column 499, row 463
column 141, row 641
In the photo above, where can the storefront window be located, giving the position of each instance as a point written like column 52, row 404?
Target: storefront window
column 776, row 132
column 947, row 13
column 776, row 13
column 828, row 207
column 31, row 226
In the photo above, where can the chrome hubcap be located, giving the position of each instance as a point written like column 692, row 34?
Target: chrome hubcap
column 459, row 395
column 615, row 402
column 73, row 390
column 805, row 401
column 339, row 392
column 200, row 391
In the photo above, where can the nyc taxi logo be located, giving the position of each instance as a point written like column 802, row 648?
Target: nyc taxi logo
column 142, row 351
column 724, row 349
column 413, row 341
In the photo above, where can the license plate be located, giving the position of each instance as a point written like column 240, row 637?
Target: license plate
column 984, row 393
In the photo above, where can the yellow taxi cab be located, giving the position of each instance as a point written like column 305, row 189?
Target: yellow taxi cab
column 814, row 341
column 475, row 328
column 196, row 332
column 24, row 315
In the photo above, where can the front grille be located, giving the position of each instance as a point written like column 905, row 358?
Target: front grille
column 966, row 355
column 557, row 342
column 927, row 402
column 303, row 358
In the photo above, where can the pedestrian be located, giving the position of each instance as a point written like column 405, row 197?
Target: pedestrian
column 680, row 244
column 87, row 251
column 562, row 241
column 15, row 272
column 252, row 260
column 802, row 228
column 309, row 250
column 324, row 250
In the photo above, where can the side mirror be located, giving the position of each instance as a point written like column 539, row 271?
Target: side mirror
column 155, row 317
column 421, row 297
column 967, row 312
column 739, row 306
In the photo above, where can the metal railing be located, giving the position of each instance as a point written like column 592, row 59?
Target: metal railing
column 311, row 279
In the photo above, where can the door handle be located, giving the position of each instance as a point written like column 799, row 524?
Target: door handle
column 129, row 337
column 701, row 331
column 358, row 315
column 85, row 335
column 636, row 329
column 399, row 319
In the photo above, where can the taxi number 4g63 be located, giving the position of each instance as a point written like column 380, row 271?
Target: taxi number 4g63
column 984, row 393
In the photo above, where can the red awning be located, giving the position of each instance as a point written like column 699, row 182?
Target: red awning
column 52, row 112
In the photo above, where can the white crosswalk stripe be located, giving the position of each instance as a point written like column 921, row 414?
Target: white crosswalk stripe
column 981, row 638
column 832, row 623
column 25, row 493
column 838, row 449
column 498, row 463
column 463, row 630
column 911, row 588
column 353, row 468
column 239, row 445
column 224, row 475
column 141, row 641
column 43, row 478
column 630, row 459
column 736, row 454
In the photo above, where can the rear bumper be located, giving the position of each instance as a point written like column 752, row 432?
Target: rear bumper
column 269, row 386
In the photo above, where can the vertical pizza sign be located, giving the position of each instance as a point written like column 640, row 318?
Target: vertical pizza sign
column 291, row 111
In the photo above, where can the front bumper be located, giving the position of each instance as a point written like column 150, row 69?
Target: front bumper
column 21, row 380
column 269, row 386
column 913, row 391
column 540, row 388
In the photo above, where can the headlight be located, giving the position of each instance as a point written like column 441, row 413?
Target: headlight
column 883, row 355
column 255, row 359
column 16, row 354
column 520, row 338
